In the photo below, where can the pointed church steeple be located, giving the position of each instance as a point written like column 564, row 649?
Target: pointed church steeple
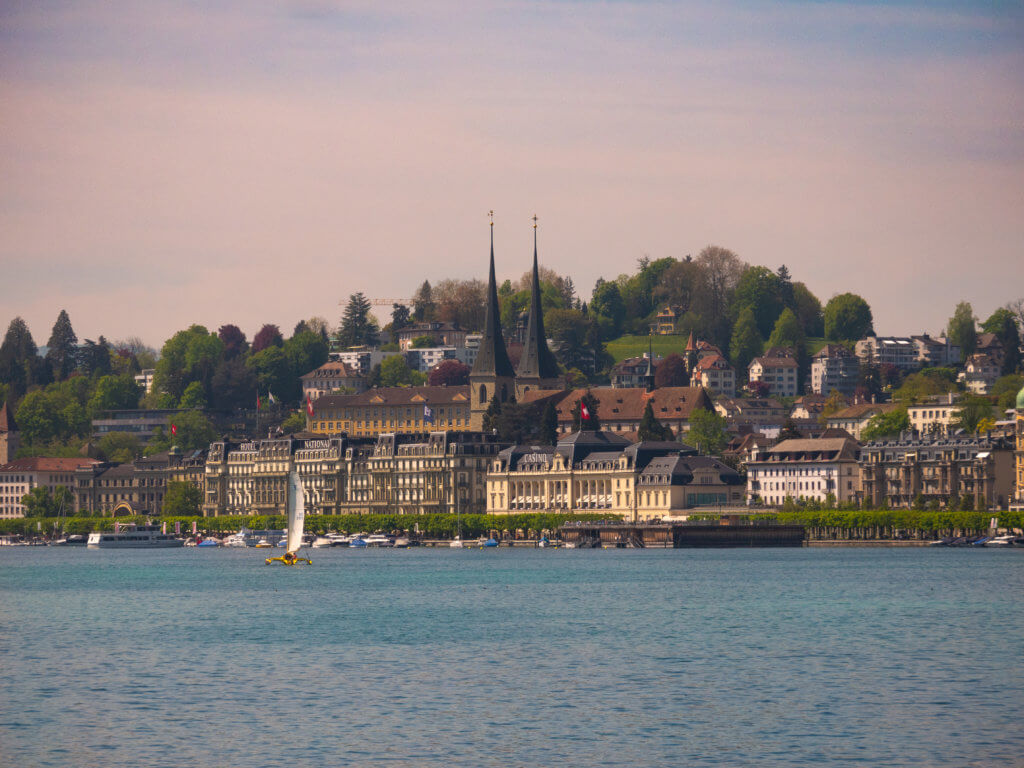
column 537, row 367
column 492, row 374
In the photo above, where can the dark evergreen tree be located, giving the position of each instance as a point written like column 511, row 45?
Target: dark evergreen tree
column 549, row 425
column 423, row 306
column 651, row 428
column 62, row 348
column 400, row 317
column 357, row 327
column 20, row 366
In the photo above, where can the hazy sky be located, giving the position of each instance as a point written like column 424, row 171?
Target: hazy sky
column 246, row 162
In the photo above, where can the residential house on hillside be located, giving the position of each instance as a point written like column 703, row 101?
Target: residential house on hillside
column 809, row 469
column 665, row 321
column 808, row 407
column 989, row 344
column 980, row 373
column 936, row 416
column 714, row 374
column 898, row 351
column 834, row 367
column 634, row 372
column 331, row 377
column 936, row 352
column 620, row 410
column 856, row 417
column 778, row 372
column 444, row 334
column 362, row 359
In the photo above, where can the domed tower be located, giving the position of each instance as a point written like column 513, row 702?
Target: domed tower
column 492, row 372
column 538, row 368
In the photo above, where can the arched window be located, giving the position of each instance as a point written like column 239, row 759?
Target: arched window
column 483, row 393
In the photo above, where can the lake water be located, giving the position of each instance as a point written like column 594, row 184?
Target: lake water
column 785, row 657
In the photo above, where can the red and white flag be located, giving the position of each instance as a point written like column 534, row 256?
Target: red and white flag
column 309, row 406
column 584, row 411
column 174, row 429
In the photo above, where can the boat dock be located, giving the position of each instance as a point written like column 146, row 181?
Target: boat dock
column 682, row 535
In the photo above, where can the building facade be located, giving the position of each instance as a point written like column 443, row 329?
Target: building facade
column 856, row 417
column 899, row 351
column 715, row 375
column 594, row 471
column 779, row 373
column 980, row 373
column 808, row 469
column 1018, row 502
column 935, row 468
column 391, row 409
column 834, row 367
column 138, row 487
column 443, row 334
column 330, row 377
column 938, row 416
column 19, row 476
column 395, row 474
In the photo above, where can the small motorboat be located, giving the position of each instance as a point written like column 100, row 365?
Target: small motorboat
column 208, row 543
column 379, row 540
column 358, row 542
column 490, row 543
column 263, row 544
column 322, row 541
column 456, row 543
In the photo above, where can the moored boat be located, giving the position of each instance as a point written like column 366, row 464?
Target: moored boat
column 133, row 537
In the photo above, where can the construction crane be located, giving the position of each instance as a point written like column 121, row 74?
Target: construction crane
column 390, row 302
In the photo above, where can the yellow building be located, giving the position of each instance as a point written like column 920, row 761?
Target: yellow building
column 391, row 409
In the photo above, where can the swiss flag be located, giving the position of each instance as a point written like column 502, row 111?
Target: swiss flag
column 309, row 406
column 174, row 429
column 584, row 411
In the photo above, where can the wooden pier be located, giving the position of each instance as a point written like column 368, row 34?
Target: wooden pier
column 682, row 535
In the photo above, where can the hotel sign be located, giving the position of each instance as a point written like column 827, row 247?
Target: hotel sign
column 313, row 444
column 247, row 447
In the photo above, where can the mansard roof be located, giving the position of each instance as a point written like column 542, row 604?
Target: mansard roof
column 397, row 396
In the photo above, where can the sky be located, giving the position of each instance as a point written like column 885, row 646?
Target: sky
column 258, row 161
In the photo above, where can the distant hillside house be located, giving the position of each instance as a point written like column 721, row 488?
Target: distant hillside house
column 714, row 374
column 444, row 334
column 855, row 418
column 980, row 373
column 620, row 410
column 899, row 351
column 634, row 372
column 834, row 367
column 331, row 377
column 779, row 373
column 665, row 321
column 937, row 416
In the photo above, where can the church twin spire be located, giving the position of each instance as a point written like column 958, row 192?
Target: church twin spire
column 492, row 358
column 537, row 364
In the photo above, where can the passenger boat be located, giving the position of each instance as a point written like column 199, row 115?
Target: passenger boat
column 133, row 537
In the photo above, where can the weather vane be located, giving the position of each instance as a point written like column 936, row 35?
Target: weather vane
column 490, row 215
column 535, row 221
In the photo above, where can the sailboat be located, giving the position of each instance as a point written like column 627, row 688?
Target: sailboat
column 456, row 543
column 296, row 519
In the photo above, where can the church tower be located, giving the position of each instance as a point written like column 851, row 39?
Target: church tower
column 9, row 436
column 538, row 368
column 492, row 372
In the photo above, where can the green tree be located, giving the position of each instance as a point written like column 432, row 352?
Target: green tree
column 295, row 422
column 233, row 384
column 94, row 358
column 847, row 318
column 182, row 499
column 195, row 432
column 114, row 393
column 607, row 309
column 971, row 409
column 54, row 414
column 962, row 329
column 20, row 364
column 400, row 317
column 1003, row 323
column 808, row 310
column 193, row 397
column 273, row 371
column 761, row 290
column 423, row 342
column 746, row 343
column 833, row 404
column 62, row 348
column 190, row 355
column 40, row 502
column 787, row 332
column 651, row 428
column 1005, row 390
column 886, row 425
column 395, row 372
column 423, row 306
column 306, row 352
column 357, row 327
column 576, row 337
column 707, row 432
column 120, row 447
column 549, row 424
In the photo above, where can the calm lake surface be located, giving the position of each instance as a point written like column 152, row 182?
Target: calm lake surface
column 839, row 657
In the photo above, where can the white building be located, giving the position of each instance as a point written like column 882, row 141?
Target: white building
column 145, row 379
column 779, row 373
column 808, row 469
column 980, row 373
column 20, row 476
column 935, row 417
column 834, row 367
column 900, row 351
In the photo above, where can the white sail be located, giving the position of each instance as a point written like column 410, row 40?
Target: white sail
column 296, row 512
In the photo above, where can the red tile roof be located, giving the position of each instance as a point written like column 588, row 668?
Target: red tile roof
column 46, row 464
